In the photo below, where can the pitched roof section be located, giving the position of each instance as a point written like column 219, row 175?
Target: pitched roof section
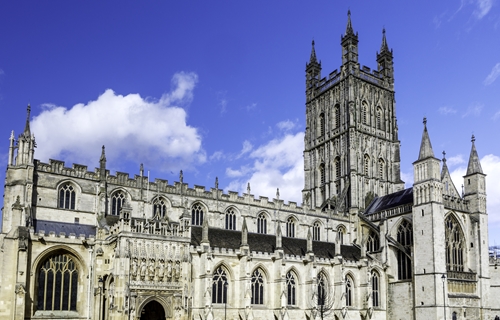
column 67, row 228
column 392, row 200
column 266, row 243
column 449, row 186
column 474, row 165
column 425, row 146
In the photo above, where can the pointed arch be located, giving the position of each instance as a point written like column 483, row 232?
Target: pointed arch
column 291, row 224
column 455, row 244
column 322, row 121
column 167, row 308
column 366, row 164
column 230, row 218
column 323, row 285
column 118, row 198
column 322, row 174
column 316, row 230
column 349, row 289
column 380, row 118
column 404, row 237
column 341, row 231
column 364, row 112
column 262, row 222
column 375, row 283
column 291, row 282
column 381, row 168
column 373, row 241
column 160, row 206
column 336, row 111
column 220, row 284
column 68, row 191
column 198, row 210
column 258, row 285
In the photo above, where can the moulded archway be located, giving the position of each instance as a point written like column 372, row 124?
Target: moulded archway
column 153, row 310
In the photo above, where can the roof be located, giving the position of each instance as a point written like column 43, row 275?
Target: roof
column 392, row 200
column 266, row 243
column 67, row 228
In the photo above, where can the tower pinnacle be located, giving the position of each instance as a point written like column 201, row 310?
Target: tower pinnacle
column 27, row 131
column 384, row 46
column 425, row 146
column 348, row 29
column 313, row 54
column 474, row 165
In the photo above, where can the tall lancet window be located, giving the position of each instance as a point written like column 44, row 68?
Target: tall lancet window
column 337, row 116
column 291, row 288
column 262, row 223
column 322, row 125
column 257, row 287
column 230, row 219
column 454, row 245
column 117, row 201
column 219, row 286
column 405, row 239
column 67, row 196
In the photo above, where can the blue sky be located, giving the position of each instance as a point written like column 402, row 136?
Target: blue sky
column 216, row 88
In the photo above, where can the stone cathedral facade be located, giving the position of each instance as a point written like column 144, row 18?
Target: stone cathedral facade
column 89, row 244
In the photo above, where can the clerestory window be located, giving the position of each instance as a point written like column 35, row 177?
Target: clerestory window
column 373, row 242
column 290, row 227
column 262, row 224
column 117, row 201
column 67, row 196
column 197, row 215
column 230, row 219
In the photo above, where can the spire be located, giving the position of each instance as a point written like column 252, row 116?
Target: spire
column 313, row 58
column 348, row 29
column 474, row 165
column 425, row 145
column 444, row 171
column 384, row 46
column 27, row 131
column 103, row 154
column 102, row 164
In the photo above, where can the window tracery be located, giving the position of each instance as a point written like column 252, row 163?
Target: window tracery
column 316, row 231
column 159, row 208
column 322, row 289
column 230, row 219
column 290, row 227
column 454, row 245
column 405, row 239
column 348, row 291
column 375, row 289
column 291, row 286
column 197, row 215
column 67, row 196
column 117, row 201
column 262, row 224
column 257, row 287
column 219, row 286
column 373, row 242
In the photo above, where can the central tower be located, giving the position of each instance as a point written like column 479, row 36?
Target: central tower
column 351, row 147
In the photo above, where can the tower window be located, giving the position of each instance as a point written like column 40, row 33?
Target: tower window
column 366, row 164
column 337, row 116
column 365, row 113
column 322, row 174
column 322, row 124
column 197, row 215
column 262, row 223
column 381, row 167
column 340, row 234
column 117, row 201
column 230, row 219
column 67, row 196
column 379, row 119
column 337, row 167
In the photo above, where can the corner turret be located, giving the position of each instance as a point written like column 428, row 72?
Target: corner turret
column 385, row 61
column 26, row 144
column 349, row 43
column 313, row 73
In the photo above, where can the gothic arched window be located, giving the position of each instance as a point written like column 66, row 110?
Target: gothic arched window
column 257, row 287
column 230, row 219
column 381, row 168
column 197, row 215
column 262, row 223
column 366, row 164
column 322, row 289
column 159, row 208
column 454, row 245
column 316, row 231
column 373, row 242
column 340, row 234
column 348, row 291
column 291, row 288
column 337, row 167
column 57, row 286
column 322, row 174
column 365, row 113
column 379, row 118
column 117, row 201
column 67, row 196
column 219, row 286
column 322, row 124
column 290, row 227
column 405, row 239
column 375, row 289
column 337, row 116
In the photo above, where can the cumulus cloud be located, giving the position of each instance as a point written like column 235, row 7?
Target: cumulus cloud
column 495, row 72
column 276, row 164
column 483, row 7
column 447, row 110
column 455, row 160
column 247, row 147
column 286, row 125
column 132, row 128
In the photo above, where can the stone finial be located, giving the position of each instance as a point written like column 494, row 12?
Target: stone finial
column 278, row 193
column 217, row 183
column 248, row 188
column 181, row 177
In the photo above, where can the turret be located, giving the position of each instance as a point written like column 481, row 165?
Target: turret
column 349, row 43
column 26, row 144
column 385, row 61
column 102, row 165
column 475, row 182
column 313, row 73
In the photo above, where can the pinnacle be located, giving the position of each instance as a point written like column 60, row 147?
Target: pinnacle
column 425, row 146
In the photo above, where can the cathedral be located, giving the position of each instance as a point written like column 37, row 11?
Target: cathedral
column 78, row 243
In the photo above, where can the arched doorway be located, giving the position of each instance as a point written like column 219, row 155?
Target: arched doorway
column 153, row 311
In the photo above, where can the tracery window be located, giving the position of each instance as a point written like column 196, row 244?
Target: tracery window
column 340, row 234
column 454, row 245
column 67, row 196
column 291, row 288
column 316, row 231
column 379, row 118
column 257, row 287
column 366, row 164
column 405, row 239
column 322, row 174
column 373, row 242
column 381, row 167
column 337, row 167
column 322, row 289
column 230, row 219
column 364, row 115
column 117, row 201
column 159, row 208
column 262, row 223
column 290, row 227
column 348, row 291
column 337, row 116
column 219, row 286
column 57, row 286
column 375, row 289
column 322, row 125
column 197, row 215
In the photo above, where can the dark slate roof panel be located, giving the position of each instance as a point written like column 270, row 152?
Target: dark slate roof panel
column 266, row 243
column 67, row 228
column 390, row 201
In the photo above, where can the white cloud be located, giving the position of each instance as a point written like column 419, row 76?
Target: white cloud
column 455, row 160
column 216, row 156
column 286, row 125
column 131, row 127
column 247, row 147
column 447, row 110
column 277, row 164
column 473, row 110
column 483, row 7
column 495, row 72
